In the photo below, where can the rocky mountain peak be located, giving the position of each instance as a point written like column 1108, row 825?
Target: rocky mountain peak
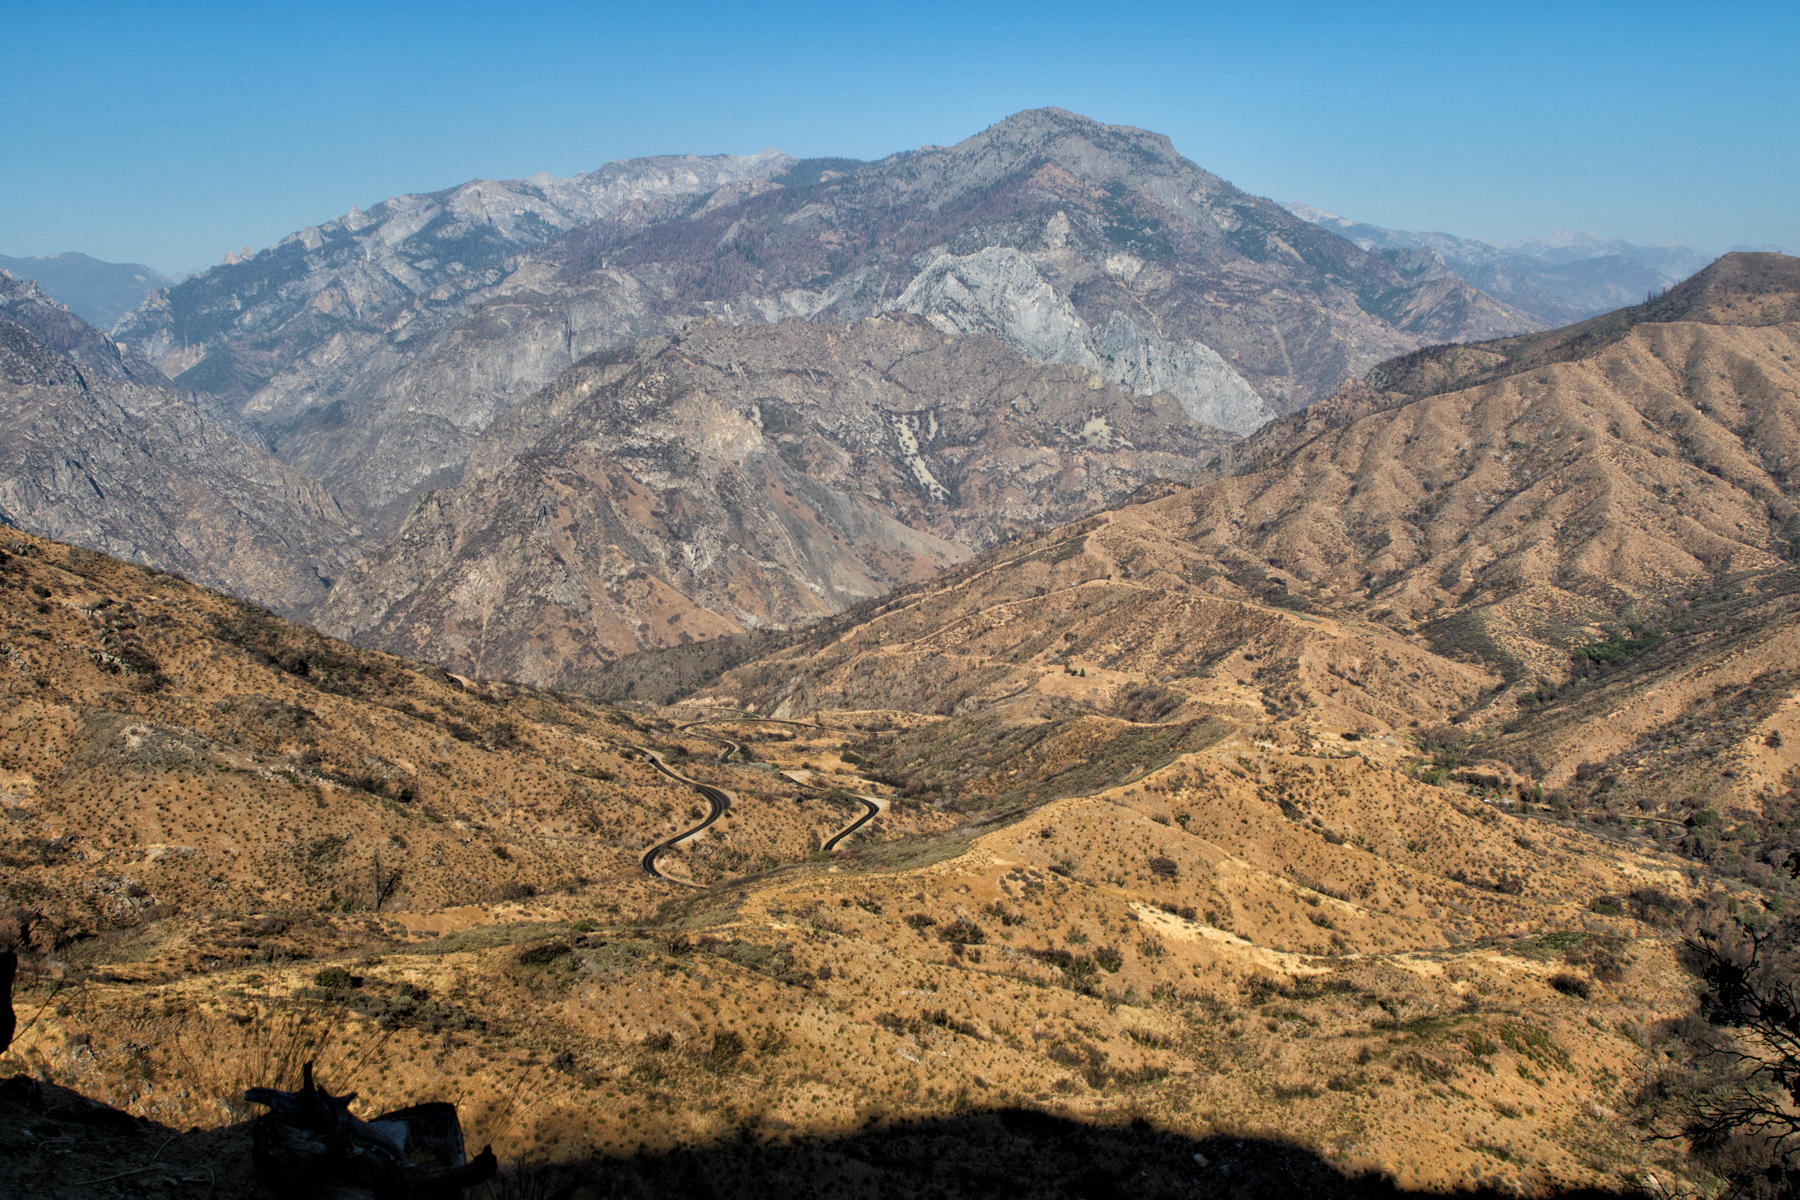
column 1089, row 151
column 372, row 351
column 1038, row 127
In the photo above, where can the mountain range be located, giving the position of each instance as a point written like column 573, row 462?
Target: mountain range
column 1376, row 777
column 371, row 351
column 1142, row 304
column 1015, row 668
column 1565, row 277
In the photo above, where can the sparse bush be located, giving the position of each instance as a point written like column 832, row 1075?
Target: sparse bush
column 335, row 979
column 727, row 1047
column 963, row 932
column 1571, row 984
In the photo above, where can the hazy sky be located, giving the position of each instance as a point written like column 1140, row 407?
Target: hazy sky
column 172, row 133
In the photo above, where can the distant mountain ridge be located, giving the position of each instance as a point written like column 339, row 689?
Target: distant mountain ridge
column 24, row 303
column 99, row 292
column 316, row 345
column 1568, row 276
column 372, row 351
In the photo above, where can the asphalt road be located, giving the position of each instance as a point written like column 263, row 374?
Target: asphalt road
column 718, row 802
column 874, row 807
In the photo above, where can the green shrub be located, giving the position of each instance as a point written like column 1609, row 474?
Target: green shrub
column 335, row 979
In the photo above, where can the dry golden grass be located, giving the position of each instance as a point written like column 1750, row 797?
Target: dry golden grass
column 1202, row 914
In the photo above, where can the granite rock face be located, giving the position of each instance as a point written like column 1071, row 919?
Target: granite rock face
column 97, row 449
column 1000, row 291
column 741, row 477
column 372, row 351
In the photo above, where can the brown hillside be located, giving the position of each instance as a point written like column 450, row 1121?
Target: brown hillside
column 1576, row 575
column 1215, row 924
column 1741, row 289
column 1501, row 526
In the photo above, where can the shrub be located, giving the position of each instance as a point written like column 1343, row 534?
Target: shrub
column 542, row 954
column 1571, row 984
column 963, row 932
column 335, row 979
column 727, row 1047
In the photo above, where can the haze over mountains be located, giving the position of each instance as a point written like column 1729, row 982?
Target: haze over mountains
column 1125, row 668
column 1567, row 276
column 99, row 292
column 372, row 350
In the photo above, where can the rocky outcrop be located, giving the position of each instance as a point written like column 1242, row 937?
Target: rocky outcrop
column 374, row 350
column 746, row 476
column 91, row 453
column 999, row 291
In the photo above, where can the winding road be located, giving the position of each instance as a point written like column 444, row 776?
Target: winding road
column 731, row 747
column 718, row 802
column 875, row 808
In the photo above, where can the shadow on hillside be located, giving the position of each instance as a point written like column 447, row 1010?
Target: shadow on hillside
column 53, row 1142
column 1008, row 1153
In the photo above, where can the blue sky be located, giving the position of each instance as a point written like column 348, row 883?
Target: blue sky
column 170, row 134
